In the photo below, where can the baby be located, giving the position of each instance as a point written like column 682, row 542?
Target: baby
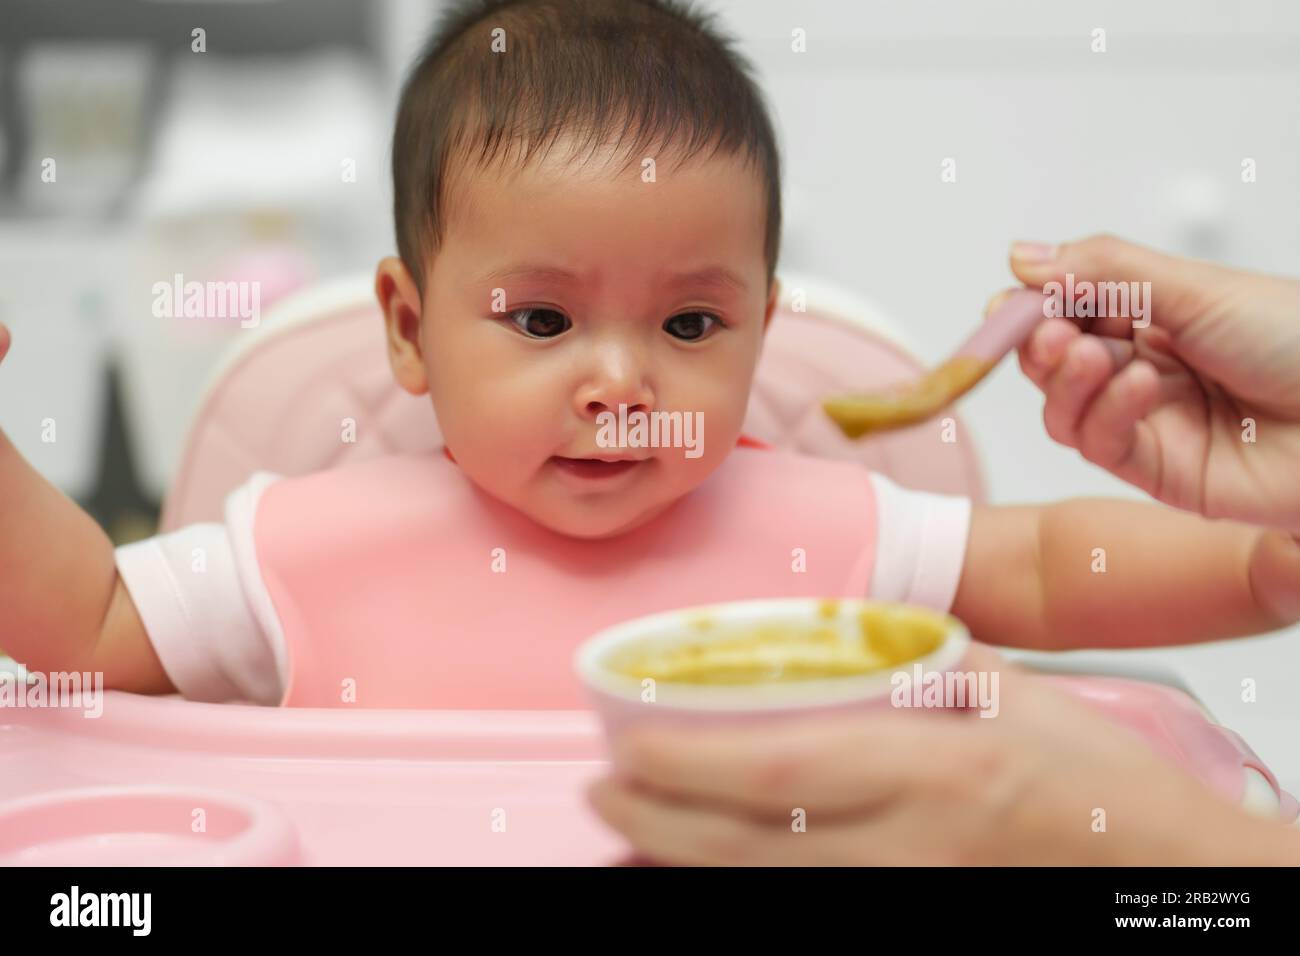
column 587, row 205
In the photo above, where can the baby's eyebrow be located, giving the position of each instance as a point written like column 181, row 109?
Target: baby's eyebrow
column 717, row 276
column 526, row 270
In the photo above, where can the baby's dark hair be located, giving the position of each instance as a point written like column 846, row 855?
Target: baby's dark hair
column 657, row 69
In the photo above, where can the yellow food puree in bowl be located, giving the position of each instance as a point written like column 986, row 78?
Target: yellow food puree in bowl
column 833, row 646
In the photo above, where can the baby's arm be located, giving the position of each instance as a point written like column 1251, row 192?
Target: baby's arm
column 1098, row 573
column 62, row 605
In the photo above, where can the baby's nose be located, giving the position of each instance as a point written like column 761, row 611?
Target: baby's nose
column 612, row 402
column 620, row 377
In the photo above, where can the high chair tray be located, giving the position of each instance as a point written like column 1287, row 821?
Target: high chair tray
column 164, row 781
column 168, row 781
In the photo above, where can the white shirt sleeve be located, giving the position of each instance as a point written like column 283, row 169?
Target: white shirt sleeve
column 205, row 608
column 920, row 545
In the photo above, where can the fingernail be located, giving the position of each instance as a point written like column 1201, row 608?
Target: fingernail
column 1033, row 252
column 1073, row 364
column 1041, row 354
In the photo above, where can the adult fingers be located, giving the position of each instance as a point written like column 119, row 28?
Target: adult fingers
column 836, row 764
column 706, row 835
column 1114, row 268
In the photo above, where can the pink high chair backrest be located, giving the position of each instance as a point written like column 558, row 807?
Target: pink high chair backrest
column 280, row 401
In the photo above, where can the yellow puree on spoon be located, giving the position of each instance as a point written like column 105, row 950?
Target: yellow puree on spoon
column 908, row 404
column 1011, row 318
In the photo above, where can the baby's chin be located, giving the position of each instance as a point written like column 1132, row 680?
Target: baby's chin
column 596, row 524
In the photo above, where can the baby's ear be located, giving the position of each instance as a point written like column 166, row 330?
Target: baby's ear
column 773, row 297
column 399, row 300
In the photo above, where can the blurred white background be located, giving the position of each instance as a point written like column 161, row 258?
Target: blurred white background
column 227, row 163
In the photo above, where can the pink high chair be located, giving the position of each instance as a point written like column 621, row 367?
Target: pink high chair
column 164, row 780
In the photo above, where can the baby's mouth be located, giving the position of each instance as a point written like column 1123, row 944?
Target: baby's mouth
column 596, row 469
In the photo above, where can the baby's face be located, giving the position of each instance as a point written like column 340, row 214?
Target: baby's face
column 568, row 289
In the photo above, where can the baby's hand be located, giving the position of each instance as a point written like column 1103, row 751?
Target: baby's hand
column 4, row 341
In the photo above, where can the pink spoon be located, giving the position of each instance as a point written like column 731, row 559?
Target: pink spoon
column 1009, row 323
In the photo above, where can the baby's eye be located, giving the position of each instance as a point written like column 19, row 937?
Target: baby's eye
column 540, row 323
column 691, row 326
